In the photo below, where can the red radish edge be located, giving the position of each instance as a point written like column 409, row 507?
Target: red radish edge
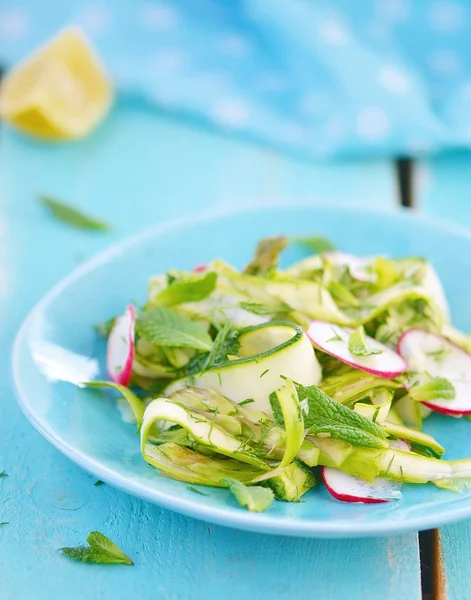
column 381, row 374
column 342, row 497
column 200, row 268
column 123, row 377
column 439, row 409
column 348, row 497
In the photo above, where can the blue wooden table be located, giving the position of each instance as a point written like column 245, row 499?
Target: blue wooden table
column 140, row 168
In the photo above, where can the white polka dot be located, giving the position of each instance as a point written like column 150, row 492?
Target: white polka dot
column 393, row 11
column 170, row 58
column 446, row 17
column 157, row 16
column 394, row 79
column 14, row 24
column 445, row 62
column 232, row 112
column 94, row 18
column 372, row 124
column 334, row 32
column 234, row 45
column 314, row 103
column 272, row 83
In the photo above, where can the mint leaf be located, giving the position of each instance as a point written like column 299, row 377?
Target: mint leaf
column 255, row 498
column 163, row 326
column 317, row 245
column 225, row 343
column 358, row 344
column 71, row 216
column 101, row 550
column 266, row 255
column 322, row 415
column 438, row 388
column 191, row 288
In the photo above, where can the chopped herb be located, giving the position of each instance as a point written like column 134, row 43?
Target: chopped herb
column 3, row 474
column 389, row 466
column 264, row 373
column 317, row 245
column 248, row 401
column 255, row 498
column 358, row 344
column 402, row 471
column 71, row 216
column 98, row 483
column 439, row 355
column 4, row 523
column 163, row 326
column 100, row 550
column 336, row 337
column 219, row 378
column 194, row 490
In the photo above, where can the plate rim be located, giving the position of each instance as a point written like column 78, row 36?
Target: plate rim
column 226, row 515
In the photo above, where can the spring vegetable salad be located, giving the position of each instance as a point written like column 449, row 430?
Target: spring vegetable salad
column 269, row 381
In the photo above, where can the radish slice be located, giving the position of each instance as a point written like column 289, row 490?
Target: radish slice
column 120, row 350
column 333, row 340
column 429, row 354
column 348, row 488
column 360, row 268
column 200, row 268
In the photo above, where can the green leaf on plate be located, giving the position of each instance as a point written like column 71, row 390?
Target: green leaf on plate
column 255, row 497
column 191, row 288
column 72, row 216
column 317, row 245
column 163, row 326
column 100, row 550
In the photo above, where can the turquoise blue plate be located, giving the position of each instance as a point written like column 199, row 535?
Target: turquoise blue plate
column 57, row 345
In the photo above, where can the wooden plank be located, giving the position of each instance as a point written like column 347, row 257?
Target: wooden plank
column 442, row 190
column 138, row 169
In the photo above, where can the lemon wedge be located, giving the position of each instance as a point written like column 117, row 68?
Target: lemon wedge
column 60, row 92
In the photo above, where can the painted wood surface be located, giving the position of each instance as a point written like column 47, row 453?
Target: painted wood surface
column 443, row 190
column 140, row 168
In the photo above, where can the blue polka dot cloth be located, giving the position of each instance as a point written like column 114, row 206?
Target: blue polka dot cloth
column 314, row 77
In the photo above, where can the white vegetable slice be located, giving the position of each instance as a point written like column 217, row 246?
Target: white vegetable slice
column 269, row 352
column 348, row 488
column 333, row 340
column 431, row 355
column 120, row 349
column 359, row 268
